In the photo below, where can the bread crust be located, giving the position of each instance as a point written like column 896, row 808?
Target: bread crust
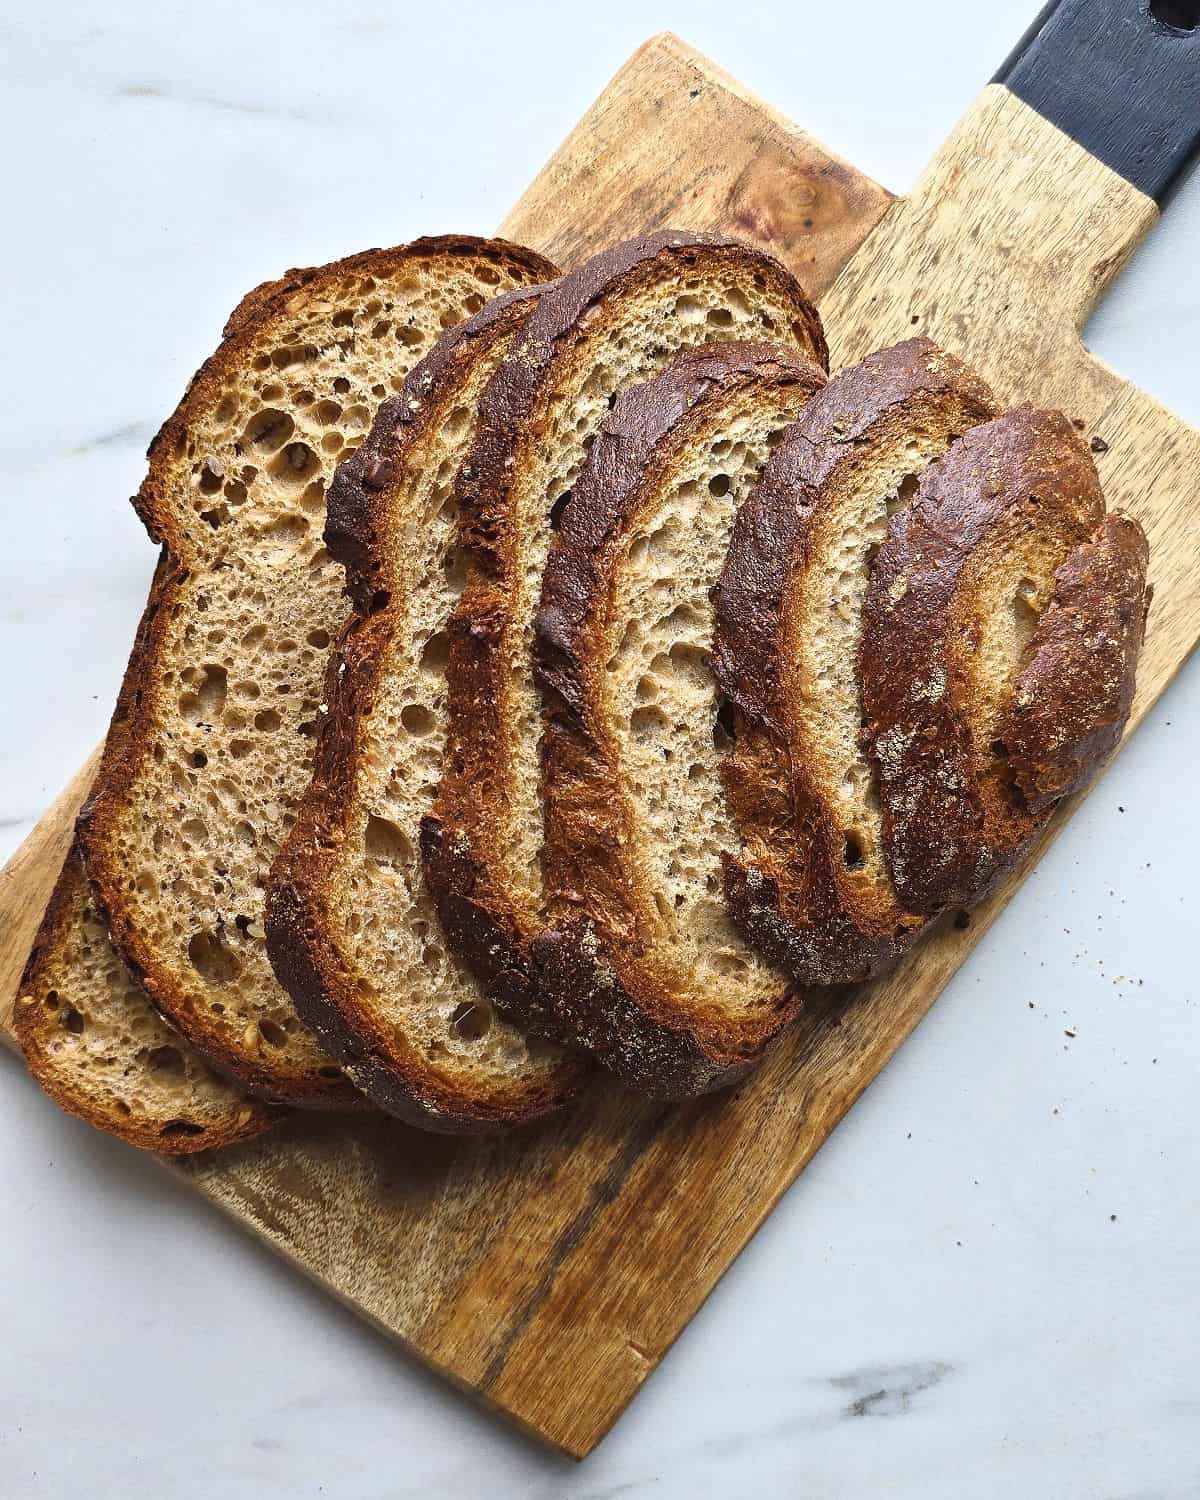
column 304, row 951
column 789, row 895
column 485, row 919
column 952, row 824
column 38, row 1028
column 126, row 752
column 1075, row 688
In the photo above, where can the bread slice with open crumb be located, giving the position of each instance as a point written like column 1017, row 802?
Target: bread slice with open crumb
column 351, row 929
column 220, row 700
column 639, row 961
column 964, row 580
column 812, row 890
column 612, row 322
column 97, row 1046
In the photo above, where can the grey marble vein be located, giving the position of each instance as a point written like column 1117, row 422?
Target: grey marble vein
column 209, row 101
column 888, row 1390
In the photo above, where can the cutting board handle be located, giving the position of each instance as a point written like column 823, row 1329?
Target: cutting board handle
column 1121, row 78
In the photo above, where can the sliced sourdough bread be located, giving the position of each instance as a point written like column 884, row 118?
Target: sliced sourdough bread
column 1075, row 687
column 351, row 929
column 958, row 589
column 614, row 321
column 639, row 961
column 214, row 727
column 96, row 1045
column 812, row 889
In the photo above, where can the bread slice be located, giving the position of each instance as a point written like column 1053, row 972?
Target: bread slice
column 100, row 1050
column 639, row 961
column 612, row 322
column 956, row 593
column 812, row 890
column 351, row 929
column 220, row 701
column 1075, row 686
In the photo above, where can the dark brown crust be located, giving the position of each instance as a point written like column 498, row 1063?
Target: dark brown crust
column 485, row 920
column 125, row 755
column 785, row 895
column 600, row 979
column 1072, row 697
column 952, row 825
column 174, row 1136
column 304, row 952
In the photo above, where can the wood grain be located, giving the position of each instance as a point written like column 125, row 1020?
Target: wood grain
column 675, row 142
column 548, row 1271
column 27, row 880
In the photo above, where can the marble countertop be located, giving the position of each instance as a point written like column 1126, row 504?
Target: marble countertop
column 986, row 1284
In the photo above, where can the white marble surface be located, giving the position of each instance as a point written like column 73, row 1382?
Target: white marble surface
column 986, row 1285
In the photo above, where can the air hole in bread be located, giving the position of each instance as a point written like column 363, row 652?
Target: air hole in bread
column 166, row 1059
column 906, row 492
column 720, row 317
column 268, row 430
column 272, row 1033
column 341, row 385
column 556, row 510
column 211, row 958
column 417, row 719
column 294, row 354
column 472, row 1020
column 73, row 1021
column 211, row 478
column 435, row 654
column 725, row 726
column 854, row 855
column 646, row 722
column 387, row 844
column 296, row 464
column 204, row 704
column 267, row 721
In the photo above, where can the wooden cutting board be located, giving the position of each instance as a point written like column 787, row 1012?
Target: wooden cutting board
column 547, row 1271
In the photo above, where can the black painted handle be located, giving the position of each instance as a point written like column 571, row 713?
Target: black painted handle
column 1122, row 78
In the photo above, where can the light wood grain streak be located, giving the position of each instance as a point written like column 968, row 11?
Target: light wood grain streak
column 675, row 142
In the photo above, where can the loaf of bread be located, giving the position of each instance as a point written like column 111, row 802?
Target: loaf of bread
column 218, row 711
column 351, row 929
column 612, row 322
column 678, row 679
column 639, row 961
column 812, row 889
